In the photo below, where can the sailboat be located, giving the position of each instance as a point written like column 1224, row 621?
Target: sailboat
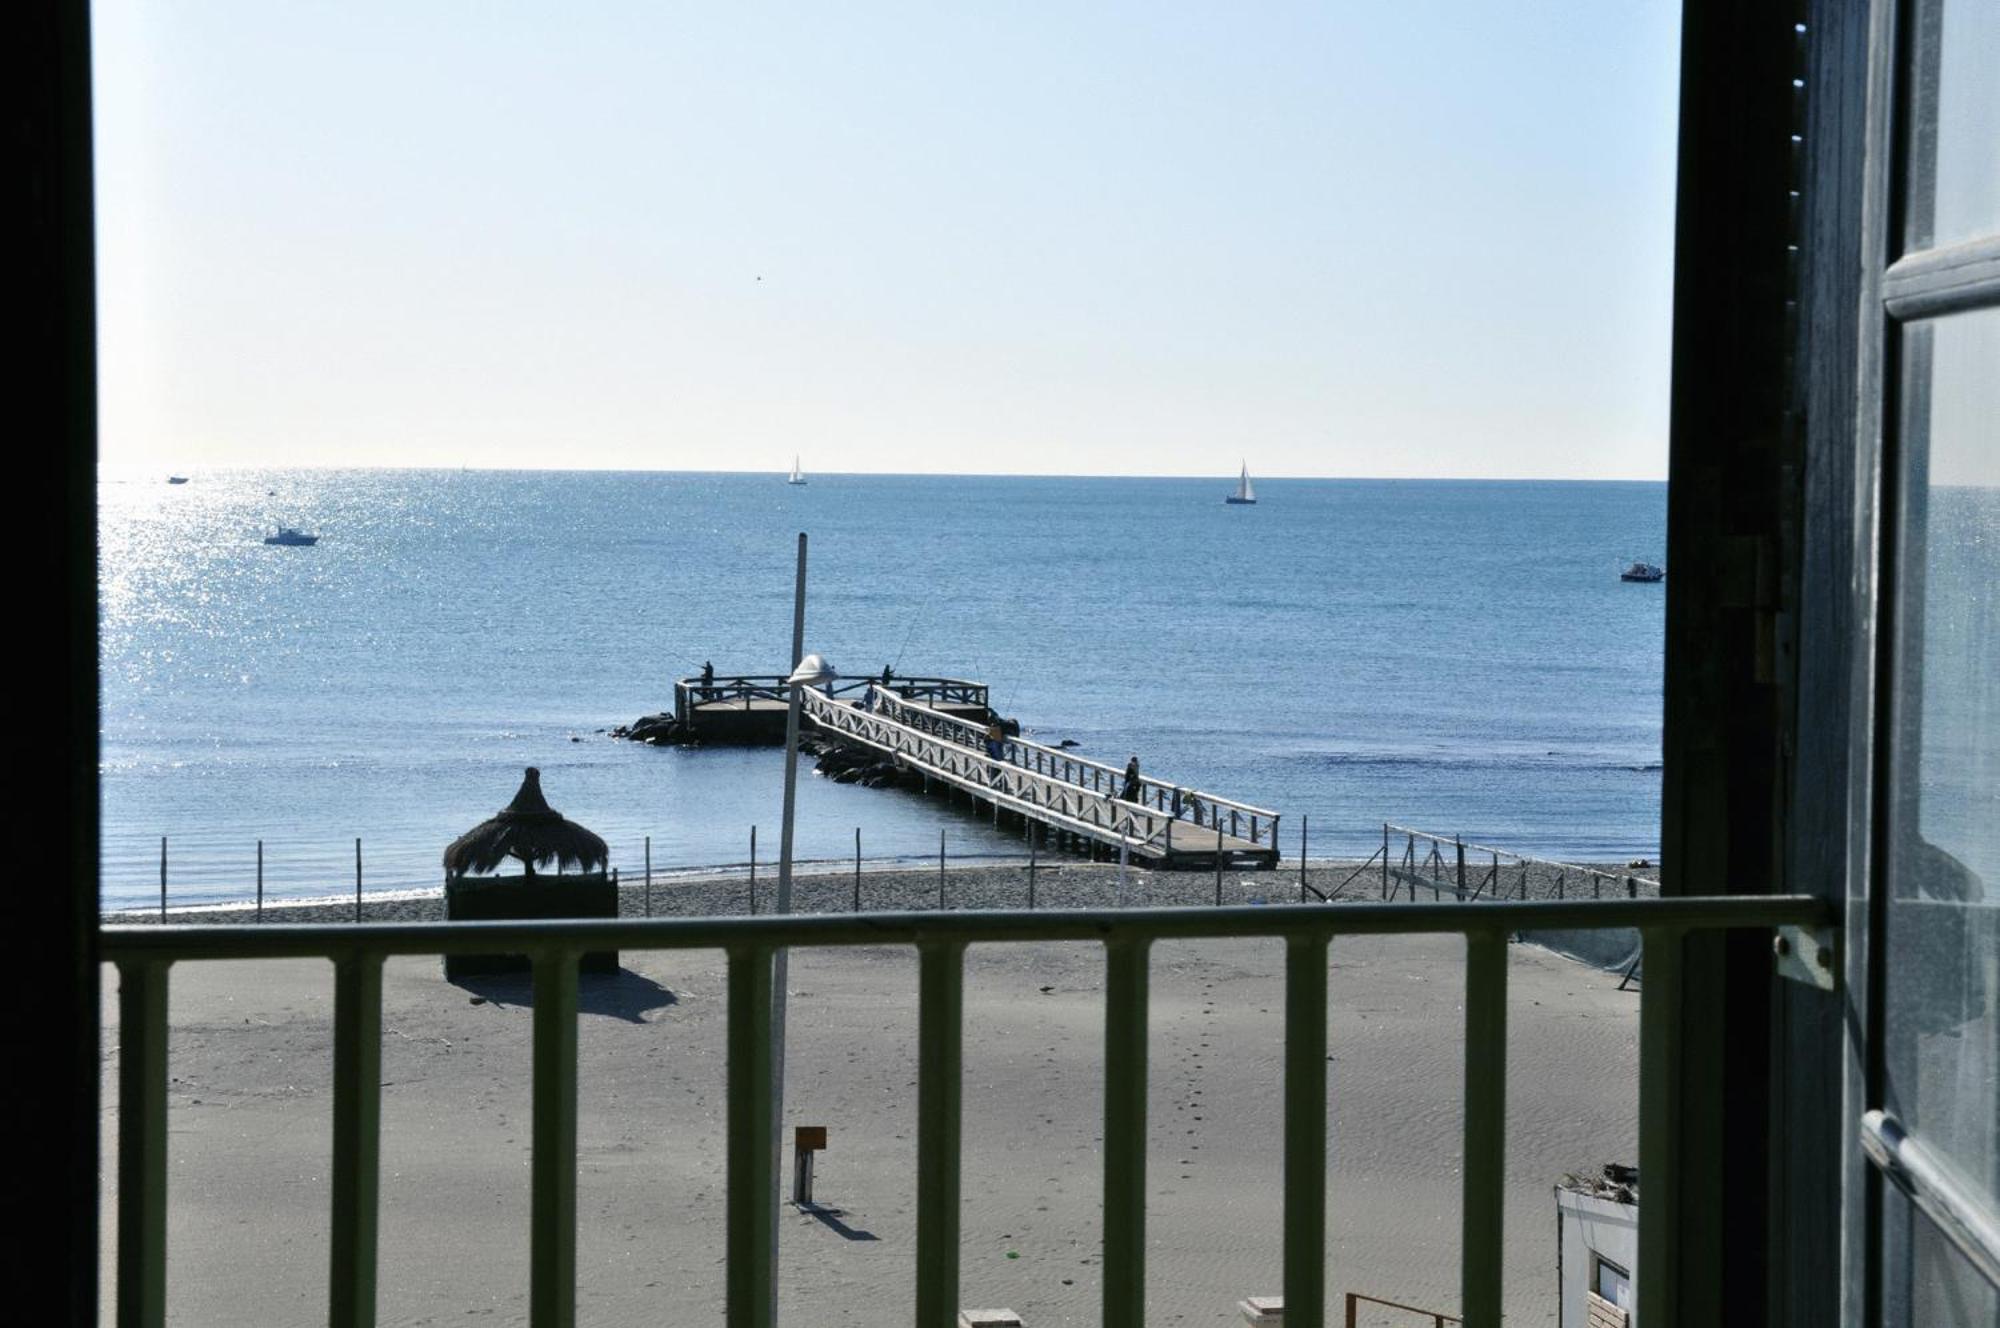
column 1244, row 492
column 796, row 477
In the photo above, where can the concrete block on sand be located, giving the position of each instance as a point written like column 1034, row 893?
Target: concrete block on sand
column 1262, row 1309
column 988, row 1319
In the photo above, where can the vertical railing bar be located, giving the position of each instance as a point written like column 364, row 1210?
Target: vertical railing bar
column 142, row 1144
column 750, row 1265
column 552, row 1178
column 940, row 1027
column 357, row 1138
column 1125, row 1134
column 1485, row 1190
column 1305, row 1132
column 1659, row 1124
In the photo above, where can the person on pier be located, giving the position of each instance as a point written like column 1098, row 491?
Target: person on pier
column 1130, row 793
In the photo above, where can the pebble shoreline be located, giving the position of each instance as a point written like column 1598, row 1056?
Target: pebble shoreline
column 1062, row 884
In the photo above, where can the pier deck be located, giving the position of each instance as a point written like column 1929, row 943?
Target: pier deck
column 750, row 708
column 1165, row 826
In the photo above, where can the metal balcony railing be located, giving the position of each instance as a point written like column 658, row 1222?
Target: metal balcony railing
column 145, row 955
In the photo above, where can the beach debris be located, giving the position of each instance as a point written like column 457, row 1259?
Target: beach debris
column 1262, row 1309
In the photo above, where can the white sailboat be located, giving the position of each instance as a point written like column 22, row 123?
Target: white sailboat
column 1245, row 493
column 796, row 477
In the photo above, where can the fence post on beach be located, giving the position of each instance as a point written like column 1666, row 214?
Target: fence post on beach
column 940, row 871
column 1218, row 862
column 1304, row 820
column 357, row 878
column 1460, row 841
column 649, row 876
column 1385, row 859
column 163, row 878
column 753, row 871
column 1631, row 888
column 857, row 869
column 1596, row 886
column 1031, row 873
column 260, row 880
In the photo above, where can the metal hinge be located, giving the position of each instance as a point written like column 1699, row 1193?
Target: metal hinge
column 1808, row 955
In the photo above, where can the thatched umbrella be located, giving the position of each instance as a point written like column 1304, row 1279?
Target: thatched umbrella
column 530, row 830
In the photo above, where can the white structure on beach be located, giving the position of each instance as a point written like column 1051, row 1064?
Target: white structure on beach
column 1597, row 1248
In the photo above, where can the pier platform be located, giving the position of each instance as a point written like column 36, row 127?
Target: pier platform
column 935, row 729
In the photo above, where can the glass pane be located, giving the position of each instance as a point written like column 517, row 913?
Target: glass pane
column 1943, row 927
column 1954, row 123
column 1941, row 1286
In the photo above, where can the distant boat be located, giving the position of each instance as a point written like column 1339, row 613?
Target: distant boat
column 177, row 479
column 1643, row 572
column 286, row 535
column 796, row 477
column 1244, row 492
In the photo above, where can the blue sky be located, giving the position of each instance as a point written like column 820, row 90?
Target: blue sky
column 1335, row 239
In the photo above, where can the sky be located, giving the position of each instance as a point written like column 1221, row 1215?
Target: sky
column 1334, row 239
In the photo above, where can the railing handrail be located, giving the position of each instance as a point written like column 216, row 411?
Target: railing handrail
column 145, row 956
column 1117, row 772
column 854, row 722
column 122, row 941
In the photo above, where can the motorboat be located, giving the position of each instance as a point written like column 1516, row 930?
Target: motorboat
column 177, row 479
column 1643, row 572
column 286, row 535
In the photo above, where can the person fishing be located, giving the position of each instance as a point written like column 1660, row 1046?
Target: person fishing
column 1130, row 793
column 996, row 738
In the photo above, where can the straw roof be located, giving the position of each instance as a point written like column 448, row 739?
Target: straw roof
column 528, row 830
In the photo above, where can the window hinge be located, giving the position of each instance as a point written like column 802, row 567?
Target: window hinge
column 1808, row 955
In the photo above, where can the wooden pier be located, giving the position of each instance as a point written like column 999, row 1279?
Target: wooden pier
column 1051, row 792
column 750, row 707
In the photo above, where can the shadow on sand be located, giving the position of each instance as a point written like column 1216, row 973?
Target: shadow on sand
column 831, row 1218
column 622, row 995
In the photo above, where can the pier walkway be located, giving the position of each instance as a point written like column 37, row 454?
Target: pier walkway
column 1166, row 826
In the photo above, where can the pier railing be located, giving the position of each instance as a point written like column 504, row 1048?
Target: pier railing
column 144, row 957
column 742, row 689
column 940, row 753
column 1169, row 802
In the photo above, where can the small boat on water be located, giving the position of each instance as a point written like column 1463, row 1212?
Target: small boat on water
column 796, row 477
column 286, row 535
column 1245, row 494
column 177, row 479
column 1643, row 572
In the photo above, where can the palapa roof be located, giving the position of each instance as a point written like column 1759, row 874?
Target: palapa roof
column 528, row 830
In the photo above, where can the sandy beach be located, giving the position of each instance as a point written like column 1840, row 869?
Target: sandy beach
column 250, row 1056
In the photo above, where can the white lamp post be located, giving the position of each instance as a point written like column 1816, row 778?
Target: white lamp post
column 812, row 671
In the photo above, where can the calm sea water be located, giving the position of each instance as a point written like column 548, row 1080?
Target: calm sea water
column 1459, row 656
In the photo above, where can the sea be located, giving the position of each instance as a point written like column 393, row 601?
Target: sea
column 1459, row 656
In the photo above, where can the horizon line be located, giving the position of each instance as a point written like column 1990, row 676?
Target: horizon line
column 780, row 473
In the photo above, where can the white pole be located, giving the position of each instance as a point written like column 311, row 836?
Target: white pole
column 778, row 963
